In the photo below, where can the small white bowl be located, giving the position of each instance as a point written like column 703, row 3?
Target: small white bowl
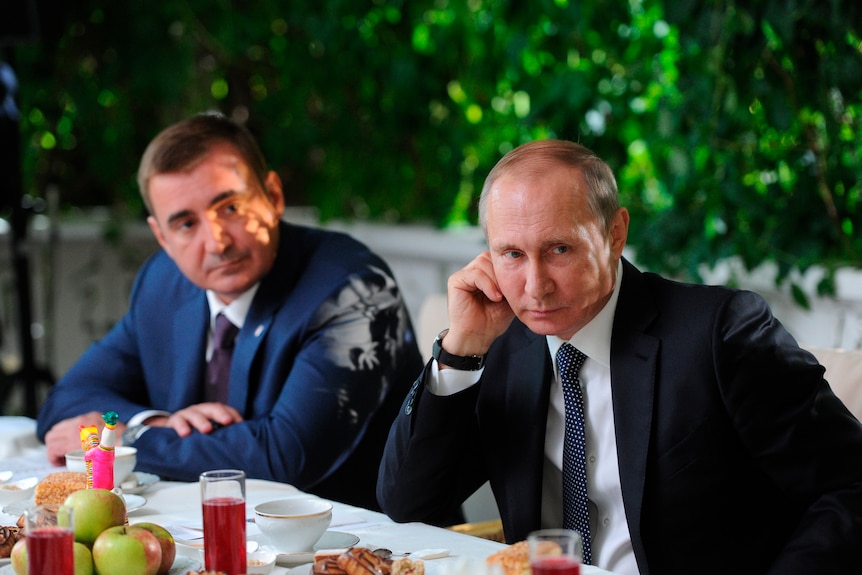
column 260, row 562
column 293, row 525
column 125, row 460
column 16, row 490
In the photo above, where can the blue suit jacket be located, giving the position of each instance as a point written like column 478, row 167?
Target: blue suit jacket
column 734, row 454
column 320, row 366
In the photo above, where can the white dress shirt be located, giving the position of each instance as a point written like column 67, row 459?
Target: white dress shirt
column 610, row 539
column 236, row 311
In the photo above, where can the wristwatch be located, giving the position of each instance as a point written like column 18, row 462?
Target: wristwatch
column 132, row 433
column 465, row 363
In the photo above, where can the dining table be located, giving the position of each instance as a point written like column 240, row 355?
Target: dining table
column 177, row 507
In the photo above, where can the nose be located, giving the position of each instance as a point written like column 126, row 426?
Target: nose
column 537, row 283
column 216, row 237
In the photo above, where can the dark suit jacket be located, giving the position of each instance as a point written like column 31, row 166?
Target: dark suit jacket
column 734, row 454
column 320, row 368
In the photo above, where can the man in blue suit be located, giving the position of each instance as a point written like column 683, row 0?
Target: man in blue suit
column 324, row 347
column 712, row 443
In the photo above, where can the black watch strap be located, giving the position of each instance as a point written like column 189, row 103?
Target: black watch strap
column 465, row 363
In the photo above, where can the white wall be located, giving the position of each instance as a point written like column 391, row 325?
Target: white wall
column 81, row 283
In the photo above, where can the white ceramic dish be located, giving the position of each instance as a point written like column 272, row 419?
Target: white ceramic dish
column 16, row 508
column 259, row 562
column 330, row 540
column 293, row 525
column 17, row 490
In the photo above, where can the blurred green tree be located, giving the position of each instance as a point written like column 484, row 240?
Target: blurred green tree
column 734, row 128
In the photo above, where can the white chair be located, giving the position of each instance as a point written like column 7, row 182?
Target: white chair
column 844, row 374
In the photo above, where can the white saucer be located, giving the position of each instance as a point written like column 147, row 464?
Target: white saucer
column 17, row 508
column 143, row 481
column 329, row 540
column 134, row 502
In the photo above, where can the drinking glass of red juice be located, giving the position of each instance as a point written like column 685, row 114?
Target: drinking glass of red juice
column 50, row 539
column 555, row 552
column 223, row 500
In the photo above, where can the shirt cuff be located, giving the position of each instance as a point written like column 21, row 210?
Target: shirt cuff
column 445, row 382
column 141, row 417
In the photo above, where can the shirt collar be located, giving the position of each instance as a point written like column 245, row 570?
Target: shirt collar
column 235, row 311
column 594, row 339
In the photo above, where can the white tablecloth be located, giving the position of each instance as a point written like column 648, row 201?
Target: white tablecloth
column 178, row 504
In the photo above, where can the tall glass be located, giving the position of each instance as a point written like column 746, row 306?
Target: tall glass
column 555, row 552
column 50, row 538
column 223, row 500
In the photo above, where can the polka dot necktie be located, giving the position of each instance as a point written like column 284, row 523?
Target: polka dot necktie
column 576, row 512
column 218, row 368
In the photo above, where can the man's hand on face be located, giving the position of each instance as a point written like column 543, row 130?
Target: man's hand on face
column 478, row 312
column 204, row 417
column 65, row 436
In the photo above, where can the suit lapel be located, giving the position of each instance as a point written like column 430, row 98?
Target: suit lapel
column 270, row 297
column 190, row 352
column 248, row 342
column 527, row 396
column 633, row 371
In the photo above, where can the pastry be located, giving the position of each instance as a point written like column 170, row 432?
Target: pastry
column 515, row 559
column 326, row 562
column 55, row 487
column 8, row 537
column 362, row 561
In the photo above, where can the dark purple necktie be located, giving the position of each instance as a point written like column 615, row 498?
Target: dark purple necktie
column 218, row 368
column 576, row 511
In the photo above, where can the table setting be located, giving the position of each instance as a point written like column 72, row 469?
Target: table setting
column 178, row 507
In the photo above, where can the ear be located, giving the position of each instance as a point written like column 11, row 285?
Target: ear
column 619, row 232
column 275, row 193
column 157, row 231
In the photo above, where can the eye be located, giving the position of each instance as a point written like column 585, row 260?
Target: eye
column 560, row 249
column 512, row 254
column 183, row 224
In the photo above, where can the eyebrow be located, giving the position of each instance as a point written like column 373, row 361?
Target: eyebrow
column 214, row 202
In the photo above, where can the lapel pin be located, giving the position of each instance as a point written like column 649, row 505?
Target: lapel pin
column 258, row 330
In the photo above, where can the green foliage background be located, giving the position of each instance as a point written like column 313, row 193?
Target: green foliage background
column 733, row 127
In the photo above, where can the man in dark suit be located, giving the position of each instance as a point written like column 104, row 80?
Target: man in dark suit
column 713, row 443
column 323, row 354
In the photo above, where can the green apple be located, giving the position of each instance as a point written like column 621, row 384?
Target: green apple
column 127, row 550
column 94, row 511
column 166, row 541
column 83, row 559
column 18, row 557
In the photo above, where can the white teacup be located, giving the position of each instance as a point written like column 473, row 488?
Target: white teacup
column 125, row 460
column 293, row 525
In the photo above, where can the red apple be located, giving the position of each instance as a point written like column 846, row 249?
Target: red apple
column 83, row 558
column 127, row 550
column 166, row 540
column 18, row 557
column 94, row 511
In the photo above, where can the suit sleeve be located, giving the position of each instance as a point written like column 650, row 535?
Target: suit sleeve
column 804, row 439
column 312, row 398
column 107, row 377
column 431, row 463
